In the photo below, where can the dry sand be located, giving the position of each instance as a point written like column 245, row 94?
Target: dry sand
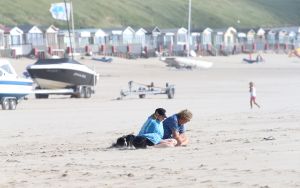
column 62, row 142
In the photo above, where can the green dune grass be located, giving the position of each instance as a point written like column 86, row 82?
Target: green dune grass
column 161, row 13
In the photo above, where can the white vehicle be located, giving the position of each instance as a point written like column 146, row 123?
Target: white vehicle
column 186, row 62
column 12, row 87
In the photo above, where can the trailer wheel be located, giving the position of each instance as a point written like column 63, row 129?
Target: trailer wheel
column 82, row 92
column 12, row 104
column 5, row 104
column 171, row 93
column 88, row 92
column 142, row 96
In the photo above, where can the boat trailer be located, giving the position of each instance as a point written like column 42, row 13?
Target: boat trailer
column 142, row 90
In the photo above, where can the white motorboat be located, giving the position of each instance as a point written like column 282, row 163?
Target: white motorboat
column 12, row 87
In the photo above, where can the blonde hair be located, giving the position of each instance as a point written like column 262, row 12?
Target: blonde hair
column 186, row 114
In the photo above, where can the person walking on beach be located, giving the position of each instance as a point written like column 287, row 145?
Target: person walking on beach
column 252, row 91
column 174, row 127
column 152, row 132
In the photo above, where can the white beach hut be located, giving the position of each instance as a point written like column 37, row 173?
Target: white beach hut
column 100, row 37
column 16, row 41
column 128, row 35
column 51, row 37
column 206, row 38
column 140, row 36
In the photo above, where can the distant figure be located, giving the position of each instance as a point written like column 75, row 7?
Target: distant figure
column 152, row 132
column 174, row 127
column 252, row 91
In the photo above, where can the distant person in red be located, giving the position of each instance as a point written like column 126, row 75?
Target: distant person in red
column 252, row 91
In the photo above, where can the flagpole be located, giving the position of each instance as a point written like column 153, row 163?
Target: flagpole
column 73, row 30
column 67, row 15
column 189, row 28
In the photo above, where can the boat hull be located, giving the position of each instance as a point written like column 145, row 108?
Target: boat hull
column 17, row 88
column 56, row 78
column 61, row 73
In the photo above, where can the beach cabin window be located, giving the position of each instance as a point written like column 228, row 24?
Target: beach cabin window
column 15, row 39
column 35, row 39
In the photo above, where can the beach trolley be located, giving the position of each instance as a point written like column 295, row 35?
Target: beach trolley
column 142, row 90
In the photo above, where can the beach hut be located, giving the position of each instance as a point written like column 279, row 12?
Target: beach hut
column 271, row 36
column 230, row 37
column 6, row 36
column 260, row 40
column 16, row 36
column 128, row 35
column 153, row 38
column 181, row 36
column 140, row 37
column 51, row 37
column 260, row 34
column 168, row 37
column 16, row 42
column 283, row 36
column 218, row 37
column 206, row 38
column 251, row 34
column 100, row 37
column 242, row 36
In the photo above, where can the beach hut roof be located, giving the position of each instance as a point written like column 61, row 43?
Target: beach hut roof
column 6, row 29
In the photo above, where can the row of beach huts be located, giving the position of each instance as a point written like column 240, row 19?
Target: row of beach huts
column 33, row 40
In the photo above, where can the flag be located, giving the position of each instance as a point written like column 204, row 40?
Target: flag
column 58, row 11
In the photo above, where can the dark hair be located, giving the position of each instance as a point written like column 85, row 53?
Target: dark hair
column 161, row 111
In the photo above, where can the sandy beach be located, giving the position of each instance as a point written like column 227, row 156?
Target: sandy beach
column 63, row 142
